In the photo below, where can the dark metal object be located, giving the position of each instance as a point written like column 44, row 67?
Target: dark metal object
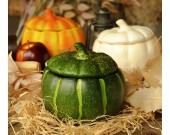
column 102, row 22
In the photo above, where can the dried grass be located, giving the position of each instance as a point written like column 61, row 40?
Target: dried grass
column 35, row 119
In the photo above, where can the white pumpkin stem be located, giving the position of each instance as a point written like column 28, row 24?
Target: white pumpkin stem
column 123, row 25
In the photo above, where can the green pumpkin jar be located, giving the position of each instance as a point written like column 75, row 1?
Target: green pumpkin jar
column 82, row 84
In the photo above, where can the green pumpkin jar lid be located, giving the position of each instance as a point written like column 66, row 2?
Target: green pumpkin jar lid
column 82, row 63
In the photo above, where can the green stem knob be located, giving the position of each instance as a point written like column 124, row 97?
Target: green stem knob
column 81, row 51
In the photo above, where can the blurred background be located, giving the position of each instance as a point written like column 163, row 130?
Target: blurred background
column 140, row 12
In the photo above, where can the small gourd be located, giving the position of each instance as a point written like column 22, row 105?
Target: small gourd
column 129, row 46
column 57, row 33
column 82, row 84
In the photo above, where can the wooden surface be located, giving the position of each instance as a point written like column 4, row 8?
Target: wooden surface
column 146, row 130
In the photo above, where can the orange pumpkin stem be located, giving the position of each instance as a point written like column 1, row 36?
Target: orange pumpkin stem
column 49, row 14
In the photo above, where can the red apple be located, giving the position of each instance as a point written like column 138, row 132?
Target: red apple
column 33, row 51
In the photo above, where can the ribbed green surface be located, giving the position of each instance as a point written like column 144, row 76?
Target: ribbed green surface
column 55, row 96
column 79, row 95
column 104, row 97
column 84, row 98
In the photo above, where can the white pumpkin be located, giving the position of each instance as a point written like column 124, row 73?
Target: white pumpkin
column 129, row 46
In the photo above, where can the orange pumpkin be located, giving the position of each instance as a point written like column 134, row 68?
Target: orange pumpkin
column 57, row 33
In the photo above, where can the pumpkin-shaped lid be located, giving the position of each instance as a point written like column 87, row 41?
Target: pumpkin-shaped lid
column 82, row 63
column 50, row 22
column 125, row 34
